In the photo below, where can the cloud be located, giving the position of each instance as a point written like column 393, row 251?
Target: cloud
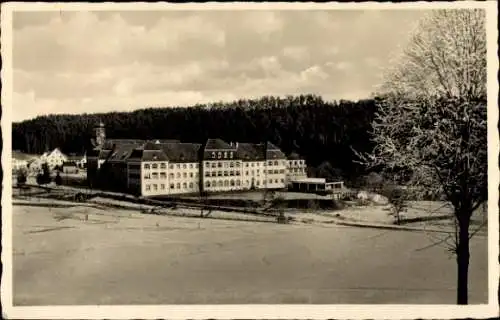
column 102, row 61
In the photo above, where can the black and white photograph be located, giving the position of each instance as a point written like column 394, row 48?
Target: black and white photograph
column 250, row 160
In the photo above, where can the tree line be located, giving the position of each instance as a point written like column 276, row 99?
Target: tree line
column 323, row 132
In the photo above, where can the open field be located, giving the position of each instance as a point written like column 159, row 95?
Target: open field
column 123, row 257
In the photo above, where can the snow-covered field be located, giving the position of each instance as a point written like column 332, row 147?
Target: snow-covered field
column 87, row 255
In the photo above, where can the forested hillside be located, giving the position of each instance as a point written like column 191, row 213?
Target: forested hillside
column 322, row 132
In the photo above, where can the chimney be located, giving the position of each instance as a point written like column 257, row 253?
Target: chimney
column 236, row 145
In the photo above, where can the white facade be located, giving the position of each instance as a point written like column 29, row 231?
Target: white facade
column 222, row 175
column 164, row 178
column 296, row 169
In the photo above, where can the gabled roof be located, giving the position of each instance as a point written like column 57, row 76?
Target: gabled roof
column 294, row 156
column 181, row 152
column 218, row 144
column 250, row 152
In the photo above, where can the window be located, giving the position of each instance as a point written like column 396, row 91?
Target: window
column 232, row 183
column 170, row 166
column 184, row 166
column 231, row 155
column 171, row 175
column 226, row 183
column 237, row 164
column 162, row 186
column 252, row 164
column 276, row 171
column 270, row 180
column 237, row 173
column 246, row 173
column 214, row 165
column 184, row 185
column 213, row 155
column 225, row 174
column 155, row 187
column 219, row 155
column 238, row 183
column 226, row 165
column 220, row 183
column 269, row 163
column 258, row 183
column 190, row 174
column 178, row 185
column 163, row 166
column 231, row 164
column 154, row 166
column 147, row 176
column 214, row 174
column 163, row 175
column 231, row 173
column 207, row 184
column 275, row 162
column 246, row 165
column 178, row 174
column 207, row 164
column 276, row 181
column 184, row 175
column 219, row 165
column 146, row 166
column 196, row 174
column 178, row 166
column 225, row 154
column 282, row 180
column 155, row 175
column 148, row 187
column 207, row 174
column 219, row 173
column 191, row 166
column 191, row 185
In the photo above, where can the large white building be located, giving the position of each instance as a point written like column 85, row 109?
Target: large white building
column 169, row 167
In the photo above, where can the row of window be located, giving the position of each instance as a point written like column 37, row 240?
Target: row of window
column 170, row 166
column 221, row 155
column 230, row 173
column 237, row 183
column 163, row 175
column 173, row 186
column 296, row 162
column 222, row 164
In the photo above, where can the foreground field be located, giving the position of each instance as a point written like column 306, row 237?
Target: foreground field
column 89, row 256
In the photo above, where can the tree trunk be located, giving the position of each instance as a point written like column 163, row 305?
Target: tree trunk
column 463, row 260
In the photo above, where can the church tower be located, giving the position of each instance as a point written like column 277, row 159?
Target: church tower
column 100, row 134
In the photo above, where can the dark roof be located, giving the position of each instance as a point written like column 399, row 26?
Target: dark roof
column 122, row 151
column 69, row 164
column 250, row 151
column 294, row 156
column 273, row 152
column 110, row 143
column 181, row 152
column 218, row 144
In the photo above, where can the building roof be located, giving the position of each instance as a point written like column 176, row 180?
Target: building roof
column 294, row 156
column 310, row 180
column 181, row 152
column 218, row 144
column 250, row 152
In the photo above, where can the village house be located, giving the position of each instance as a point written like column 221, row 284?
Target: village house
column 54, row 158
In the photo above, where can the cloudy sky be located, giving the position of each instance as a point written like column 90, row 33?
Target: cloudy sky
column 75, row 62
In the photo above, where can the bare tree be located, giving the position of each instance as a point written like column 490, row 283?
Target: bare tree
column 431, row 121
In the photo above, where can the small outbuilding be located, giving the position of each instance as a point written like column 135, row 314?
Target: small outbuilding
column 69, row 167
column 312, row 185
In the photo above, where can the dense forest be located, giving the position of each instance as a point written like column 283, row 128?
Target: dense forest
column 321, row 132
